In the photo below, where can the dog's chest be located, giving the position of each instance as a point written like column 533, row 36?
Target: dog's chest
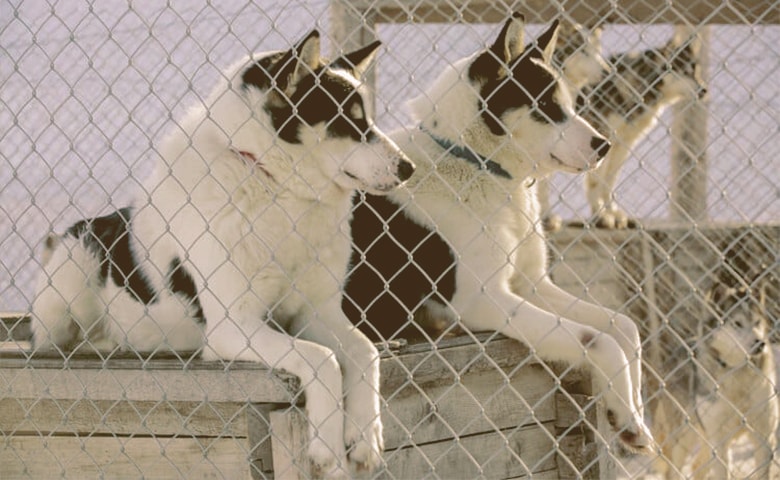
column 304, row 237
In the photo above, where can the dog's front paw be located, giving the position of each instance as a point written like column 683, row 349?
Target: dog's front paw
column 614, row 220
column 325, row 462
column 364, row 447
column 633, row 434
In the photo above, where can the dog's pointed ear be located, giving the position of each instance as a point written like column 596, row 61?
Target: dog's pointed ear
column 299, row 61
column 494, row 62
column 545, row 44
column 718, row 295
column 358, row 61
column 510, row 42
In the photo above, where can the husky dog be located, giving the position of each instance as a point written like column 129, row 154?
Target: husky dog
column 239, row 242
column 463, row 239
column 726, row 393
column 623, row 97
column 626, row 104
column 579, row 59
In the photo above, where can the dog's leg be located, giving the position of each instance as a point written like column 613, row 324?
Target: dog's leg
column 676, row 433
column 548, row 296
column 763, row 455
column 555, row 338
column 721, row 423
column 552, row 222
column 67, row 303
column 231, row 336
column 600, row 186
column 359, row 360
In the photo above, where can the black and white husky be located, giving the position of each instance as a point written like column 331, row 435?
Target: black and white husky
column 623, row 97
column 238, row 243
column 626, row 104
column 463, row 238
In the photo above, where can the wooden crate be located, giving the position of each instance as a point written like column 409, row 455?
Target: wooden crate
column 463, row 408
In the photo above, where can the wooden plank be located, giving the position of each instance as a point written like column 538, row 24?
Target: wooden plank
column 444, row 363
column 575, row 423
column 14, row 326
column 259, row 429
column 289, row 442
column 584, row 11
column 508, row 453
column 505, row 454
column 688, row 187
column 479, row 403
column 87, row 416
column 122, row 457
column 234, row 385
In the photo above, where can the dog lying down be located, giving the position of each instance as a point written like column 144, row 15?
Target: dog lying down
column 237, row 244
column 462, row 240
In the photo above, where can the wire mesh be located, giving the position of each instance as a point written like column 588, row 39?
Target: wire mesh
column 90, row 90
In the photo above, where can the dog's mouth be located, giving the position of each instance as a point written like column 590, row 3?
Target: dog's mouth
column 753, row 355
column 376, row 188
column 563, row 165
column 716, row 355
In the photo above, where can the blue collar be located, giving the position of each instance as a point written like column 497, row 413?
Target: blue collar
column 469, row 155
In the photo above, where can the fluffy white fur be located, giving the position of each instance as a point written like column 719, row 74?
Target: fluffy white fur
column 735, row 374
column 493, row 225
column 262, row 226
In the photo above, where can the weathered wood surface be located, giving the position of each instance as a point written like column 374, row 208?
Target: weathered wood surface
column 501, row 453
column 122, row 457
column 460, row 407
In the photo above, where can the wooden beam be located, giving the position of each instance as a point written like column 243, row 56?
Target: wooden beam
column 156, row 381
column 584, row 11
column 688, row 188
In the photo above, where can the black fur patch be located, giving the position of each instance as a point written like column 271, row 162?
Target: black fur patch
column 629, row 92
column 318, row 98
column 180, row 281
column 260, row 75
column 108, row 239
column 404, row 265
column 529, row 85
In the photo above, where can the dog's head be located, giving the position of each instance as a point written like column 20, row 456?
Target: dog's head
column 684, row 74
column 579, row 56
column 507, row 103
column 318, row 112
column 739, row 327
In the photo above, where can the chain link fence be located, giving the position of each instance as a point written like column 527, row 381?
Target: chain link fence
column 89, row 89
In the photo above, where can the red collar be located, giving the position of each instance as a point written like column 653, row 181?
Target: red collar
column 251, row 160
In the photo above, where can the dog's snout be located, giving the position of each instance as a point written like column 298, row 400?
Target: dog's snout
column 758, row 346
column 702, row 92
column 600, row 146
column 405, row 169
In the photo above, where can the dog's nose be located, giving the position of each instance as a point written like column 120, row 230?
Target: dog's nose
column 600, row 145
column 702, row 92
column 758, row 346
column 405, row 169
